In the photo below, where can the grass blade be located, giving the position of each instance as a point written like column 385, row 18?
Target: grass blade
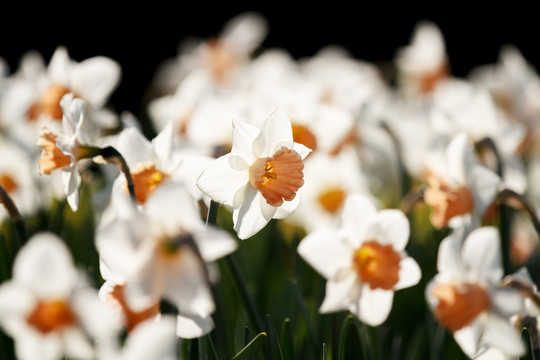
column 251, row 348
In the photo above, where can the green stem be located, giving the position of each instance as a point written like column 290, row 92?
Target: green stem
column 16, row 218
column 112, row 156
column 212, row 213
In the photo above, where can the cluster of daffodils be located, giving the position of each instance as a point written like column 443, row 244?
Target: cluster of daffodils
column 326, row 146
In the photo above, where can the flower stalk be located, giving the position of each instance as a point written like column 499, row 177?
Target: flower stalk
column 16, row 217
column 112, row 156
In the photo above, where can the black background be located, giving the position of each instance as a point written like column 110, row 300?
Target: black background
column 141, row 36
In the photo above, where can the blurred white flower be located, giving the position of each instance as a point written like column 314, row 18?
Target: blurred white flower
column 261, row 177
column 163, row 251
column 45, row 307
column 64, row 150
column 466, row 296
column 363, row 260
column 423, row 63
column 459, row 187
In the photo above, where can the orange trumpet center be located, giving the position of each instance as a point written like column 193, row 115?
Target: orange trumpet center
column 279, row 177
column 8, row 183
column 49, row 103
column 459, row 304
column 377, row 265
column 447, row 201
column 145, row 179
column 332, row 200
column 51, row 315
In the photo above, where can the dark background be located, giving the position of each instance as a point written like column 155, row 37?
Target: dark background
column 140, row 37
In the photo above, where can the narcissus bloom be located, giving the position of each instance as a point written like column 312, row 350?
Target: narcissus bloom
column 163, row 251
column 46, row 308
column 459, row 187
column 262, row 175
column 64, row 150
column 363, row 260
column 466, row 294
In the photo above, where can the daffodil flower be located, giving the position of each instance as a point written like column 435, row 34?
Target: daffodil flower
column 64, row 150
column 363, row 260
column 459, row 187
column 163, row 251
column 45, row 307
column 262, row 175
column 466, row 296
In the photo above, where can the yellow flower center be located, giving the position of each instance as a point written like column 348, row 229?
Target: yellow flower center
column 459, row 304
column 302, row 135
column 332, row 200
column 145, row 179
column 447, row 201
column 8, row 183
column 377, row 265
column 51, row 315
column 132, row 317
column 49, row 103
column 279, row 177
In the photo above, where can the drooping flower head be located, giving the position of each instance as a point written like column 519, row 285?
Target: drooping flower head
column 363, row 260
column 64, row 150
column 262, row 175
column 466, row 294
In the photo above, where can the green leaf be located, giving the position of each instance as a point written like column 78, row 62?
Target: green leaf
column 250, row 349
column 287, row 343
column 274, row 350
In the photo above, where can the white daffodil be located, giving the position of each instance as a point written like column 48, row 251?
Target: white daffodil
column 163, row 251
column 423, row 63
column 363, row 260
column 35, row 91
column 261, row 177
column 153, row 161
column 18, row 179
column 466, row 296
column 459, row 187
column 460, row 106
column 47, row 310
column 64, row 150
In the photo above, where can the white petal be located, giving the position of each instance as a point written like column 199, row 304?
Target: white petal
column 249, row 219
column 94, row 79
column 323, row 250
column 243, row 136
column 458, row 157
column 482, row 253
column 468, row 338
column 358, row 211
column 163, row 144
column 500, row 333
column 340, row 294
column 507, row 301
column 409, row 273
column 152, row 340
column 220, row 182
column 187, row 287
column 302, row 150
column 389, row 227
column 34, row 345
column 71, row 181
column 163, row 206
column 374, row 305
column 449, row 258
column 276, row 131
column 134, row 147
column 215, row 243
column 193, row 326
column 45, row 266
column 288, row 207
column 484, row 186
column 76, row 344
